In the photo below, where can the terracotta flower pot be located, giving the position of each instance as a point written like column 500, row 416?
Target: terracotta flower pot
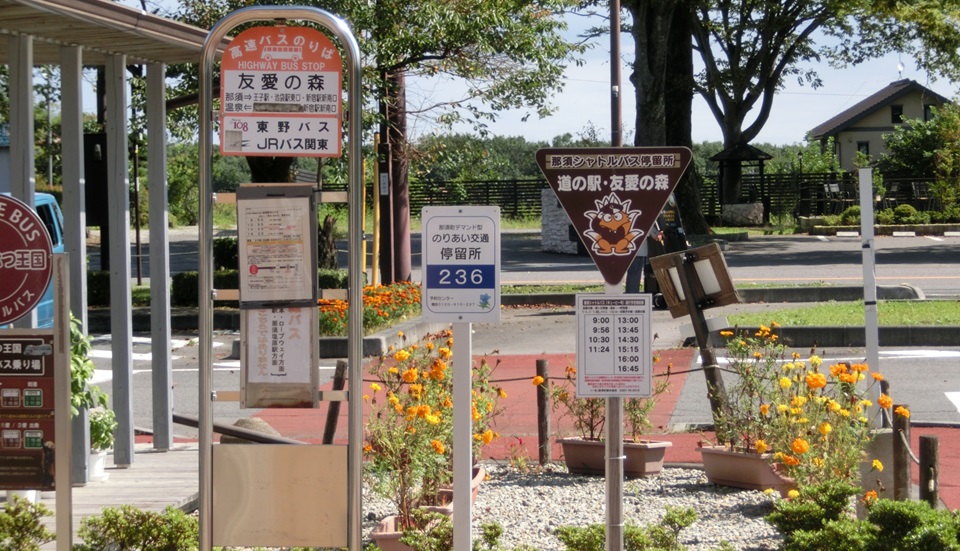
column 751, row 471
column 643, row 458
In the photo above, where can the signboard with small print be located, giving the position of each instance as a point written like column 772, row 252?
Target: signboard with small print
column 280, row 94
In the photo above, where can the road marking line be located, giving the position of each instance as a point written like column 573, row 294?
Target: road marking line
column 934, row 238
column 823, row 238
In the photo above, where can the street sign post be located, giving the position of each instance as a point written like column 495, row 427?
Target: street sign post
column 613, row 196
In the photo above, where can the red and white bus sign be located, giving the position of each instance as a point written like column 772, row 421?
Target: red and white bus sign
column 280, row 94
column 25, row 267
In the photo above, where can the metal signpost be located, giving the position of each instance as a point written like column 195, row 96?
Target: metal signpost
column 461, row 284
column 281, row 95
column 613, row 196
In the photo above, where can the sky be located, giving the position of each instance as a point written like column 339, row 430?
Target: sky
column 585, row 98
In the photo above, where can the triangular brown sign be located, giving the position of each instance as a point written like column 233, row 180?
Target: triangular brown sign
column 613, row 195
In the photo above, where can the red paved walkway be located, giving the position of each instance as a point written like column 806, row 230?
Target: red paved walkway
column 517, row 425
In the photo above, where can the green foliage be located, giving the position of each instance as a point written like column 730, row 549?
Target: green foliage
column 226, row 254
column 912, row 525
column 815, row 506
column 130, row 529
column 844, row 534
column 82, row 393
column 907, row 214
column 850, row 216
column 884, row 217
column 21, row 525
column 102, row 424
column 185, row 287
column 664, row 536
column 98, row 288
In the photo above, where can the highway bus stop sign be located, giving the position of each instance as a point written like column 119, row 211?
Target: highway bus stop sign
column 613, row 196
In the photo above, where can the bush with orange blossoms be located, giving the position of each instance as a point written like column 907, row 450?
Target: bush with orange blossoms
column 814, row 419
column 383, row 305
column 408, row 436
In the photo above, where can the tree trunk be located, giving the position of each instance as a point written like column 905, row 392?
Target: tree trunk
column 679, row 128
column 393, row 132
column 650, row 30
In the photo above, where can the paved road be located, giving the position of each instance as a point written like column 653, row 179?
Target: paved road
column 931, row 264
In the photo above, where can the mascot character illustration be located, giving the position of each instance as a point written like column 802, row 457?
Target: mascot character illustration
column 611, row 227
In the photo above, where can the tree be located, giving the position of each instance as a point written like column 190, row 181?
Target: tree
column 928, row 149
column 509, row 54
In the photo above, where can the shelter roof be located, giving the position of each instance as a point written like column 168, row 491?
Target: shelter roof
column 103, row 28
column 742, row 152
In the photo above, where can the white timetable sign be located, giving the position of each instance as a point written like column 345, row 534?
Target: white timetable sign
column 614, row 345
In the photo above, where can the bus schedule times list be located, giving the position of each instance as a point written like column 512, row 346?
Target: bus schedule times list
column 614, row 345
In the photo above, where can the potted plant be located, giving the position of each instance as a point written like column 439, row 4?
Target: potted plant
column 102, row 424
column 408, row 437
column 584, row 454
column 800, row 421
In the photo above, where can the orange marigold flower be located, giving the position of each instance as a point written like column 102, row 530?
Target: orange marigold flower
column 816, row 380
column 764, row 409
column 885, row 401
column 726, row 333
column 438, row 446
column 790, row 460
column 869, row 497
column 487, row 436
column 877, row 376
column 800, row 446
column 502, row 393
column 837, row 369
column 444, row 353
column 410, row 375
column 902, row 411
column 537, row 381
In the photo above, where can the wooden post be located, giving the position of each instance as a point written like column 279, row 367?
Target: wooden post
column 901, row 456
column 930, row 470
column 716, row 392
column 333, row 411
column 543, row 412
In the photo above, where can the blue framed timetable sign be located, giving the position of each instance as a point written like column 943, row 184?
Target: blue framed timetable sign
column 461, row 264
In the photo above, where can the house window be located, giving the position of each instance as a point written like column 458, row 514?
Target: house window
column 896, row 114
column 864, row 148
column 929, row 111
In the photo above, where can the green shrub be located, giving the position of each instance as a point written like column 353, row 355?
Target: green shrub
column 226, row 253
column 663, row 536
column 130, row 529
column 98, row 288
column 913, row 525
column 844, row 534
column 185, row 290
column 332, row 279
column 884, row 217
column 21, row 526
column 850, row 216
column 812, row 509
column 907, row 214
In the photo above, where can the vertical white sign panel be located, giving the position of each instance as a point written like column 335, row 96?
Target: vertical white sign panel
column 461, row 264
column 614, row 345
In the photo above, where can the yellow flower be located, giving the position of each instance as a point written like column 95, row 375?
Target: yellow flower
column 502, row 393
column 429, row 345
column 444, row 353
column 375, row 387
column 902, row 411
column 726, row 333
column 400, row 334
column 432, row 419
column 800, row 446
column 815, row 361
column 824, row 428
column 885, row 401
column 793, row 494
column 366, row 397
column 401, row 355
column 866, row 403
column 877, row 465
column 537, row 381
column 798, row 401
column 785, row 382
column 782, row 408
column 393, row 371
column 761, row 446
column 769, row 491
column 437, row 446
column 833, row 406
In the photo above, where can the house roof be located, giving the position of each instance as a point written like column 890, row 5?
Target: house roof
column 883, row 97
column 103, row 28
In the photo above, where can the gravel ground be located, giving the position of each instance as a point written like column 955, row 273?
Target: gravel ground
column 531, row 506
